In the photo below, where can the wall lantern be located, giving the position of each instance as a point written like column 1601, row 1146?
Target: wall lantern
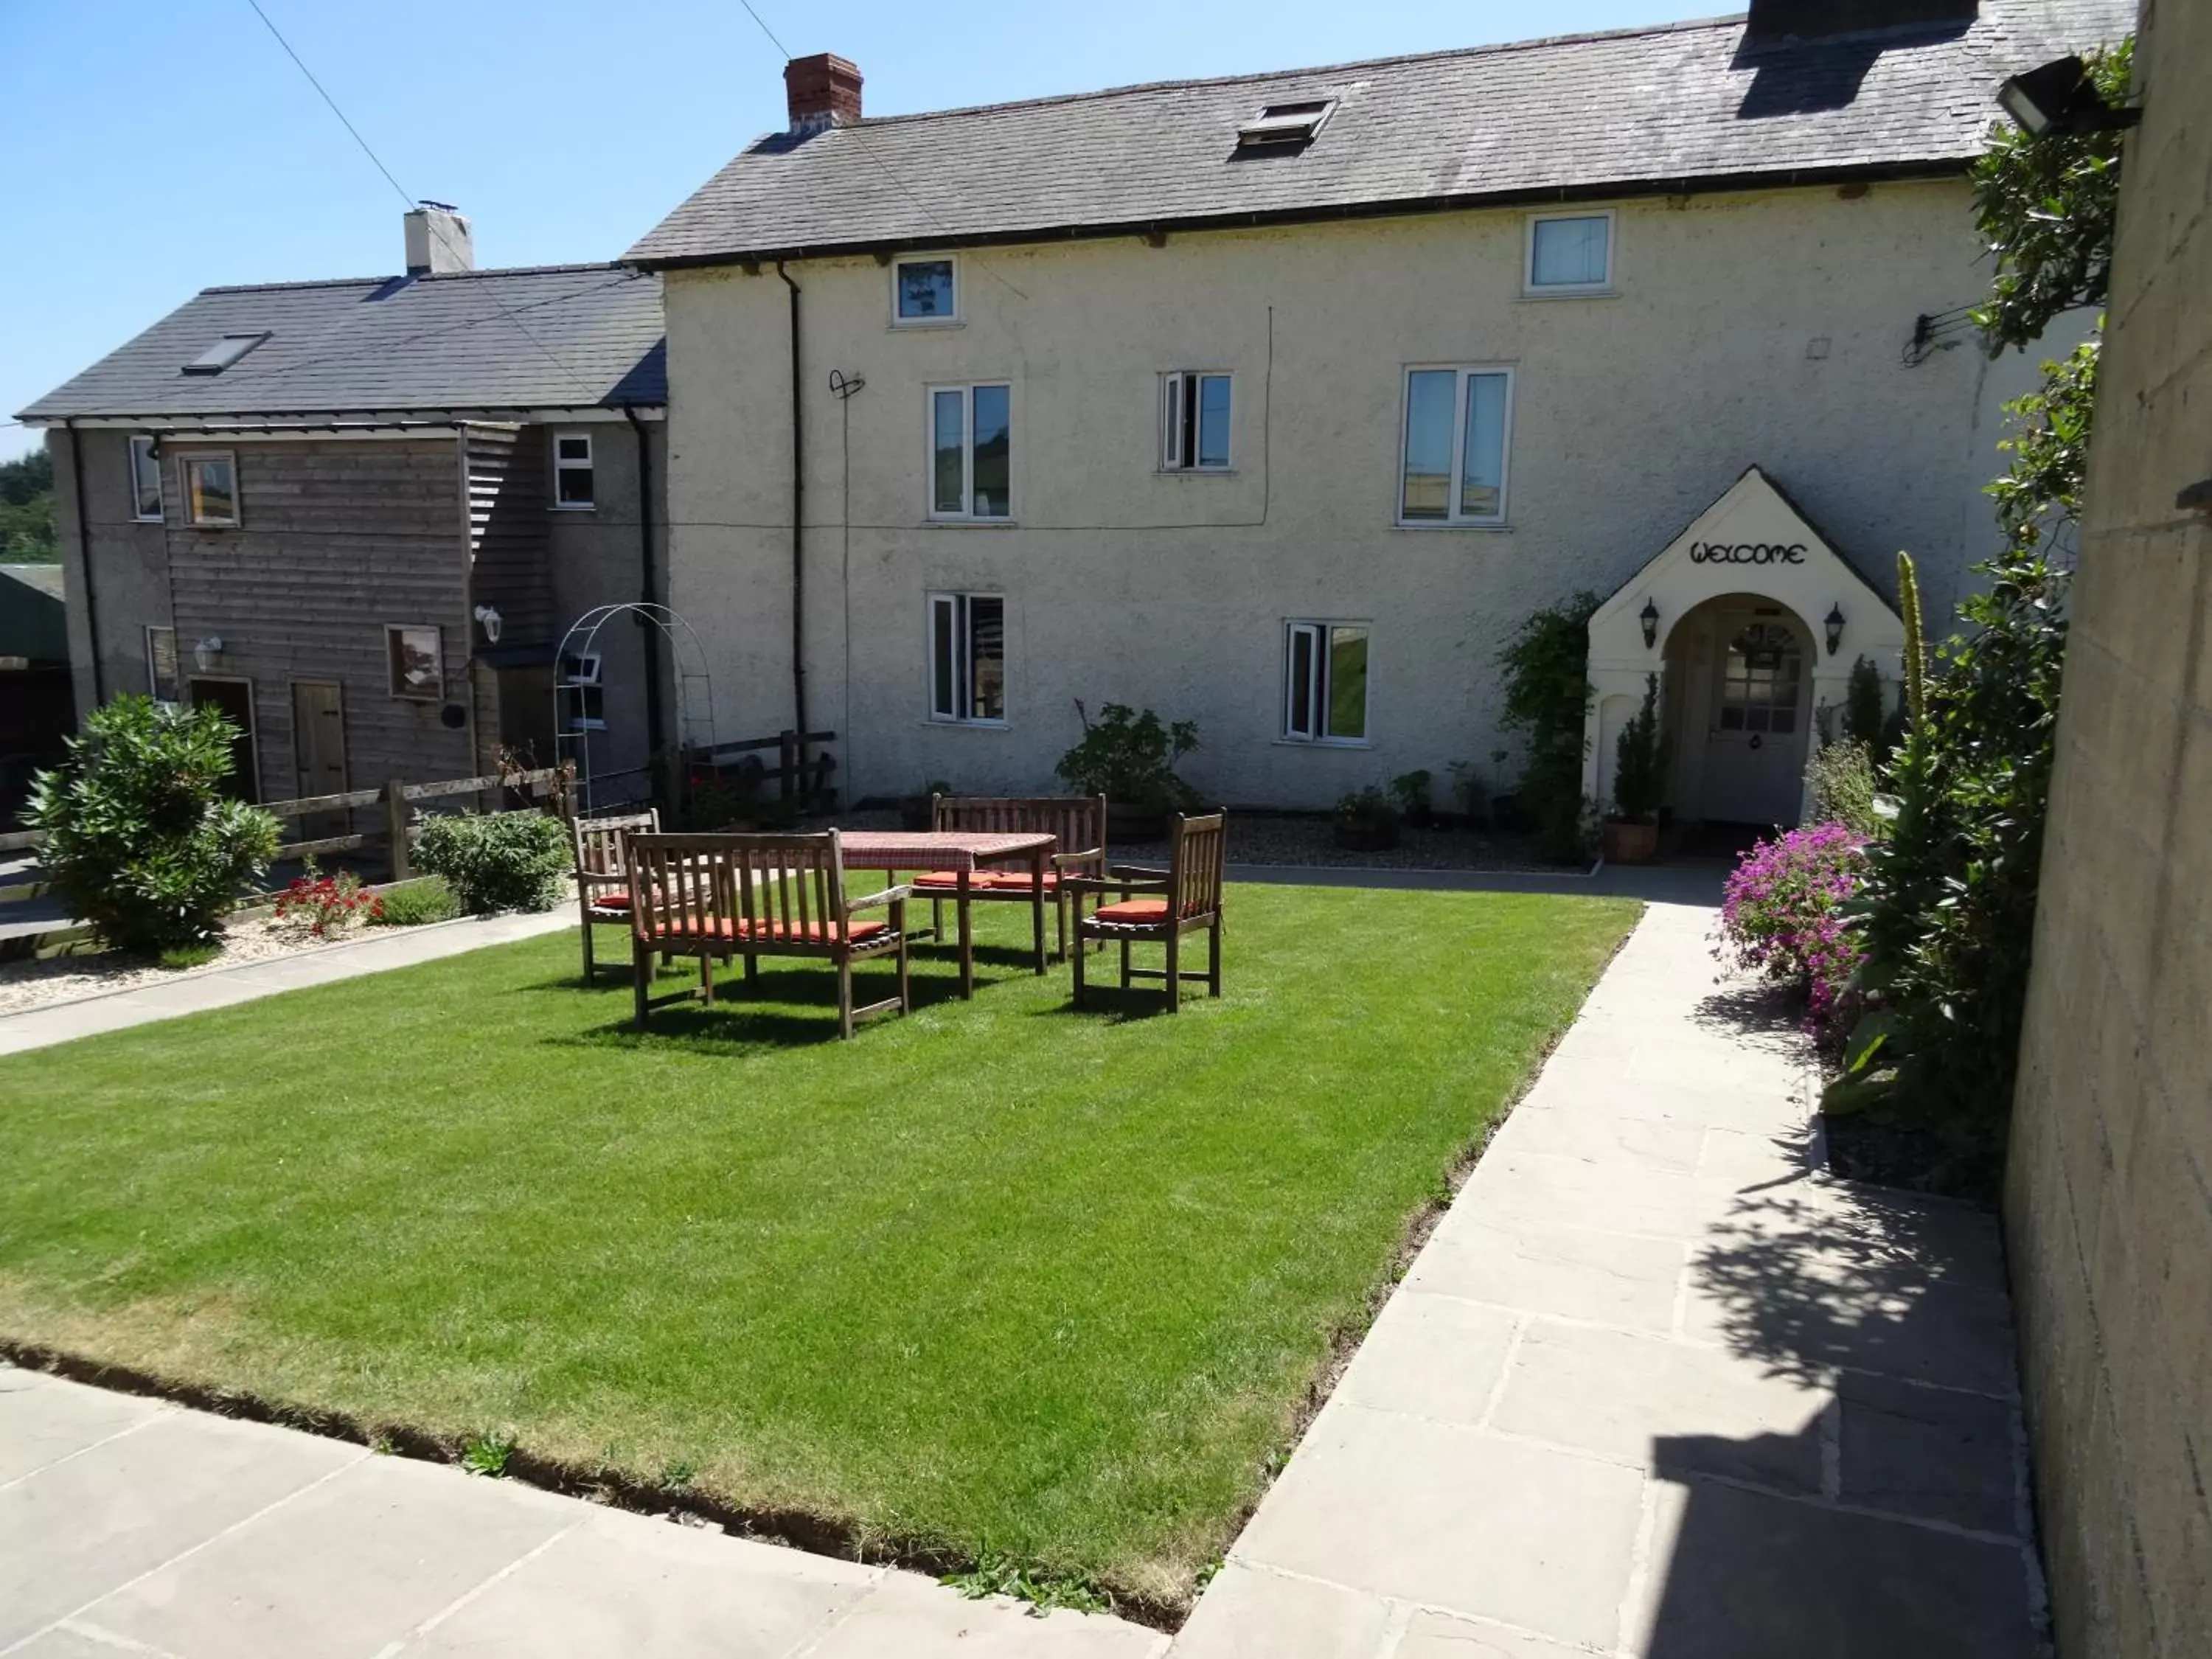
column 2058, row 97
column 1834, row 624
column 492, row 620
column 205, row 653
column 1650, row 617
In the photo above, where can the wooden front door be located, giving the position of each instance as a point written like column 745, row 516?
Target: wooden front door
column 235, row 699
column 319, row 752
column 1755, row 746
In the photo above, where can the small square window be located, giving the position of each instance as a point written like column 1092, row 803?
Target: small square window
column 1570, row 253
column 145, row 480
column 162, row 665
column 924, row 291
column 583, row 698
column 968, row 658
column 1325, row 682
column 1195, row 422
column 417, row 659
column 211, row 489
column 223, row 353
column 572, row 470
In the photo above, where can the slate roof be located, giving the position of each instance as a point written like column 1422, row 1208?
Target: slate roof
column 1664, row 108
column 570, row 336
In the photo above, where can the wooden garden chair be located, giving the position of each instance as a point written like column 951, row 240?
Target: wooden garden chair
column 717, row 897
column 602, row 870
column 1158, row 907
column 1079, row 822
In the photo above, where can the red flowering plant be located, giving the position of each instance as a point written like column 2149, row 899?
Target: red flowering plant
column 327, row 904
column 1781, row 915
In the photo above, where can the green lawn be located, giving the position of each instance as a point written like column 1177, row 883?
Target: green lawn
column 998, row 1277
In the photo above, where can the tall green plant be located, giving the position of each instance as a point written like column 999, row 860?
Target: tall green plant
column 141, row 839
column 1547, row 693
column 1863, row 716
column 1639, row 761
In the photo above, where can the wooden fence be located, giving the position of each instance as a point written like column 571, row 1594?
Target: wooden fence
column 803, row 780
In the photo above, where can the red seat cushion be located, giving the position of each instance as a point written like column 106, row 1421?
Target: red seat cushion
column 814, row 932
column 615, row 901
column 996, row 880
column 1138, row 910
column 939, row 878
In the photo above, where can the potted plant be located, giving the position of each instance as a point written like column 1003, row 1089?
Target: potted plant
column 1366, row 821
column 1410, row 790
column 1639, row 784
column 915, row 810
column 1129, row 756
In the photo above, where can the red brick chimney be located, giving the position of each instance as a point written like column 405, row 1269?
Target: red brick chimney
column 824, row 91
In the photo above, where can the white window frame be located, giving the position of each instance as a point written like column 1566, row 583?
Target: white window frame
column 964, row 698
column 194, row 458
column 153, row 674
column 1177, row 386
column 1532, row 289
column 437, row 694
column 958, row 314
column 967, row 514
column 1454, row 518
column 579, row 673
column 1318, row 630
column 588, row 465
column 142, row 448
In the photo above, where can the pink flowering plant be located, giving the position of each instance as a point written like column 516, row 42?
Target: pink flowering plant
column 1781, row 915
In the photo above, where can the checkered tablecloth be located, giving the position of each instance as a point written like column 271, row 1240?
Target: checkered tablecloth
column 923, row 849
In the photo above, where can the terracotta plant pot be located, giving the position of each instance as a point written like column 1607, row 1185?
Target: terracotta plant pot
column 1631, row 843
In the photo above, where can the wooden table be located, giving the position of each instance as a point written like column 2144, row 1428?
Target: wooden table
column 963, row 854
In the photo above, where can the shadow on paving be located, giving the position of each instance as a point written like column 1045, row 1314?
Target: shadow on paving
column 1894, row 1521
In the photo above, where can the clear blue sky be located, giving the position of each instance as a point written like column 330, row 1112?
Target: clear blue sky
column 153, row 149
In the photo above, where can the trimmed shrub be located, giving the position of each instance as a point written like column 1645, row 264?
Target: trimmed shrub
column 413, row 903
column 1640, row 759
column 1782, row 916
column 141, row 841
column 496, row 861
column 1130, row 756
column 1547, row 693
column 1864, row 718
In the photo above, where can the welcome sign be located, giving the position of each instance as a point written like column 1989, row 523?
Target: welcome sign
column 1746, row 553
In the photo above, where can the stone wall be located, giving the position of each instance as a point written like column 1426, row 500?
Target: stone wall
column 2110, row 1206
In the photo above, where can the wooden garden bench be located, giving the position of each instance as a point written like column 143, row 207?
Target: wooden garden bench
column 1077, row 823
column 602, row 870
column 1158, row 907
column 717, row 897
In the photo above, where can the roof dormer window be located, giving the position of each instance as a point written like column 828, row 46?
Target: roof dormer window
column 224, row 352
column 1286, row 126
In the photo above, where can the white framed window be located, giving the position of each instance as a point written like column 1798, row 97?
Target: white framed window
column 416, row 658
column 1325, row 682
column 1459, row 431
column 971, row 449
column 145, row 480
column 967, row 659
column 1194, row 411
column 161, row 682
column 571, row 471
column 1568, row 254
column 583, row 698
column 211, row 489
column 925, row 291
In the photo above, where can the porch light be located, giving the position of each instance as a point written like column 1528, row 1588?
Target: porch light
column 1834, row 624
column 205, row 653
column 2058, row 97
column 1650, row 617
column 492, row 620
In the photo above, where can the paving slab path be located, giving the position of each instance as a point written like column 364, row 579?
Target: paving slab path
column 1657, row 1388
column 132, row 1526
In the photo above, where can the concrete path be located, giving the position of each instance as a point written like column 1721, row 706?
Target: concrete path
column 131, row 1527
column 377, row 949
column 1654, row 1388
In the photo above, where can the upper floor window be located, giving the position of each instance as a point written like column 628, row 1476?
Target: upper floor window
column 925, row 291
column 162, row 665
column 968, row 658
column 971, row 447
column 572, row 470
column 211, row 489
column 145, row 480
column 1570, row 253
column 1458, row 424
column 1193, row 422
column 1325, row 682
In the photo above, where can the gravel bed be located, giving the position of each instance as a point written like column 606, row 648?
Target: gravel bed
column 63, row 979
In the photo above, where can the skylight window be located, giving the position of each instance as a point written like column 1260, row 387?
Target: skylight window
column 1283, row 126
column 224, row 352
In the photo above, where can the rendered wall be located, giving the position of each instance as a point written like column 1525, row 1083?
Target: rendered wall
column 2109, row 1206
